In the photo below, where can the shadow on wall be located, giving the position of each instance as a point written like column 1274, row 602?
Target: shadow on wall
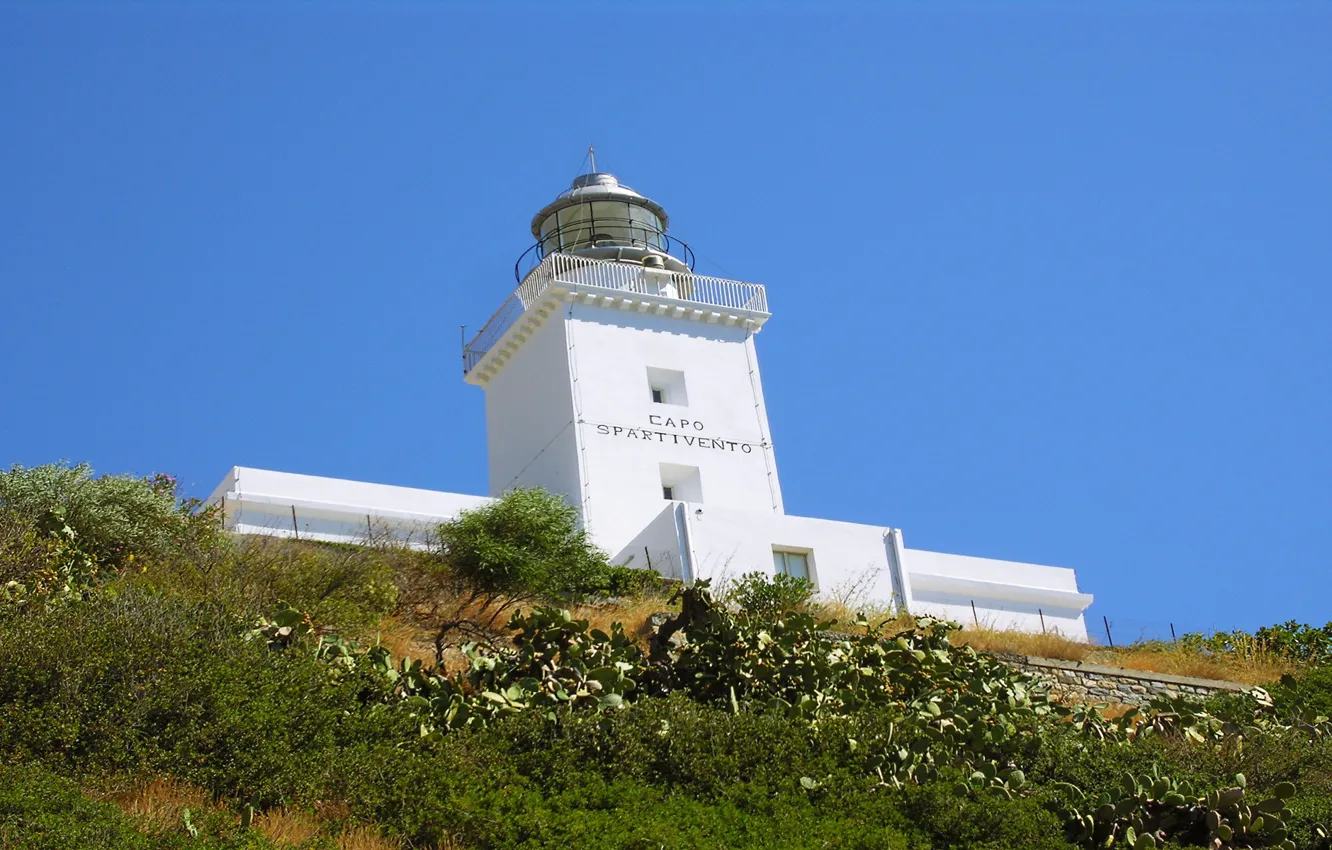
column 989, row 613
column 325, row 527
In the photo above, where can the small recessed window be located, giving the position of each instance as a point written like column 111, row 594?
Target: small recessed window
column 793, row 564
column 667, row 386
column 681, row 483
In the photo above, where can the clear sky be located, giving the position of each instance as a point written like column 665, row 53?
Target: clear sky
column 1050, row 281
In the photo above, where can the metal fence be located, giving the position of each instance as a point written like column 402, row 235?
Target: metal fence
column 582, row 273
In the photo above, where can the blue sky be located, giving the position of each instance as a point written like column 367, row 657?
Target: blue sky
column 1050, row 282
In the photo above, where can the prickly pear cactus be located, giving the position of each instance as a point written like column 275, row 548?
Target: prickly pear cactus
column 1146, row 811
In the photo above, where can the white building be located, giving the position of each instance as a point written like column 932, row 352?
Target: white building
column 617, row 377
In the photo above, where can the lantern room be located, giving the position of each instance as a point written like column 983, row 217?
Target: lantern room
column 601, row 218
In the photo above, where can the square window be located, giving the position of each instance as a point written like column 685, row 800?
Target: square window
column 667, row 386
column 794, row 564
column 681, row 483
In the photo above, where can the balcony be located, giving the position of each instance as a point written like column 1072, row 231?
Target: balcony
column 565, row 278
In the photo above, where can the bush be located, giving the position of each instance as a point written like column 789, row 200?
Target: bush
column 1290, row 640
column 41, row 811
column 528, row 543
column 1306, row 692
column 143, row 683
column 525, row 546
column 115, row 518
column 770, row 597
column 337, row 586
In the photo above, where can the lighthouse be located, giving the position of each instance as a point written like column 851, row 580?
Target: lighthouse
column 619, row 378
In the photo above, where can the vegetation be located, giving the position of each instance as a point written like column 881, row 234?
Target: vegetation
column 525, row 547
column 237, row 693
column 760, row 595
column 1252, row 664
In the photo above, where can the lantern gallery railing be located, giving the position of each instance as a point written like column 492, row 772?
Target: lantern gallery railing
column 636, row 237
column 569, row 273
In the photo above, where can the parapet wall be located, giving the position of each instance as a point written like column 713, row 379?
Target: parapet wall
column 1096, row 683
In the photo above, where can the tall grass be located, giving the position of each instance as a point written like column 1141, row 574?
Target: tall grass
column 1256, row 665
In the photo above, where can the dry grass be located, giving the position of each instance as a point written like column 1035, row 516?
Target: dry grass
column 1049, row 645
column 405, row 640
column 159, row 804
column 845, row 616
column 633, row 616
column 361, row 837
column 286, row 828
column 1252, row 668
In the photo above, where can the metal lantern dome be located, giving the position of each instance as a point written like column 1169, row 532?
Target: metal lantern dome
column 601, row 218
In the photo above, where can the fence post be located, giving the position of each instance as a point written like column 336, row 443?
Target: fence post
column 1107, row 631
column 1041, row 614
column 973, row 610
column 295, row 530
column 1173, row 639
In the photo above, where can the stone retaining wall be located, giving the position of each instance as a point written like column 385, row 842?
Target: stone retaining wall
column 1097, row 683
column 1080, row 681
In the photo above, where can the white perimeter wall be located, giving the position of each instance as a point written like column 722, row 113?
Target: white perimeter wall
column 625, row 436
column 689, row 540
column 864, row 563
column 1007, row 594
column 261, row 501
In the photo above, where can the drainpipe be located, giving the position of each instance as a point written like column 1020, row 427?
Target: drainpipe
column 682, row 535
column 895, row 548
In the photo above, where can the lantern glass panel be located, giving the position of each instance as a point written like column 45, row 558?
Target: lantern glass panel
column 610, row 222
column 575, row 228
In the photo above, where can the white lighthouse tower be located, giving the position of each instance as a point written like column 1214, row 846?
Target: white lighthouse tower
column 618, row 378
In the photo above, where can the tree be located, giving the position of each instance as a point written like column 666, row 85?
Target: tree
column 526, row 546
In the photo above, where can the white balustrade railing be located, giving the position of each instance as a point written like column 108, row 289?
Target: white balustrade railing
column 581, row 272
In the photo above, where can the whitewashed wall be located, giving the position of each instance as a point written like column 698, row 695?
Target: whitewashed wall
column 1007, row 594
column 726, row 543
column 530, row 433
column 658, row 546
column 625, row 437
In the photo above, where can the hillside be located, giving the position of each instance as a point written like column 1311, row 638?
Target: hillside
column 163, row 685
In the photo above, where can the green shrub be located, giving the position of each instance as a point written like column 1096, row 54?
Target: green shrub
column 144, row 683
column 115, row 518
column 624, row 580
column 770, row 597
column 1306, row 692
column 41, row 562
column 526, row 546
column 1290, row 640
column 41, row 811
column 527, row 543
column 340, row 586
column 759, row 730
